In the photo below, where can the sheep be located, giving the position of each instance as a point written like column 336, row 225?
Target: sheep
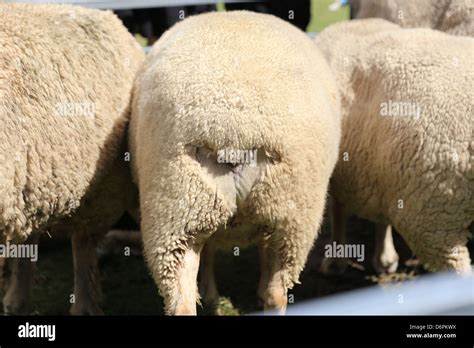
column 67, row 75
column 385, row 258
column 451, row 16
column 411, row 168
column 214, row 87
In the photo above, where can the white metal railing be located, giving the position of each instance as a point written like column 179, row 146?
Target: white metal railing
column 433, row 294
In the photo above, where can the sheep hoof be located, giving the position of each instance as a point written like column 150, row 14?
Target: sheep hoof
column 333, row 266
column 386, row 263
column 275, row 305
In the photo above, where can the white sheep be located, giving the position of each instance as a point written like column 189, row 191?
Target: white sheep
column 66, row 77
column 385, row 257
column 407, row 134
column 451, row 16
column 455, row 17
column 214, row 87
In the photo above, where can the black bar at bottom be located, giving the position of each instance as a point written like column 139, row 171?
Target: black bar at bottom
column 136, row 330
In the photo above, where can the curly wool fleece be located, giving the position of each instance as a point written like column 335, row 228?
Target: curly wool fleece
column 407, row 133
column 235, row 80
column 455, row 17
column 66, row 76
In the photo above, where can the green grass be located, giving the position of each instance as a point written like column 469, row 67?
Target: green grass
column 321, row 17
column 220, row 6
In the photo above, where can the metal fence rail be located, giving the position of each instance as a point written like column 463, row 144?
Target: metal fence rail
column 434, row 294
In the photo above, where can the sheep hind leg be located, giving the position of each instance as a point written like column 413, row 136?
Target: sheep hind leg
column 385, row 256
column 18, row 284
column 186, row 294
column 265, row 269
column 207, row 282
column 107, row 202
column 87, row 290
column 272, row 289
column 339, row 217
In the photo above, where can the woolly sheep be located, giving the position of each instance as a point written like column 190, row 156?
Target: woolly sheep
column 385, row 257
column 414, row 172
column 228, row 82
column 67, row 74
column 451, row 16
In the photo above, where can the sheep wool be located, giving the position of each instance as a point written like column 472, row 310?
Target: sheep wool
column 64, row 102
column 407, row 145
column 455, row 17
column 223, row 84
column 66, row 75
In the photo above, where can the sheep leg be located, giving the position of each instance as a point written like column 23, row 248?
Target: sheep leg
column 264, row 273
column 186, row 293
column 339, row 217
column 19, row 281
column 107, row 202
column 3, row 273
column 272, row 287
column 17, row 297
column 385, row 256
column 207, row 282
column 177, row 218
column 87, row 290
